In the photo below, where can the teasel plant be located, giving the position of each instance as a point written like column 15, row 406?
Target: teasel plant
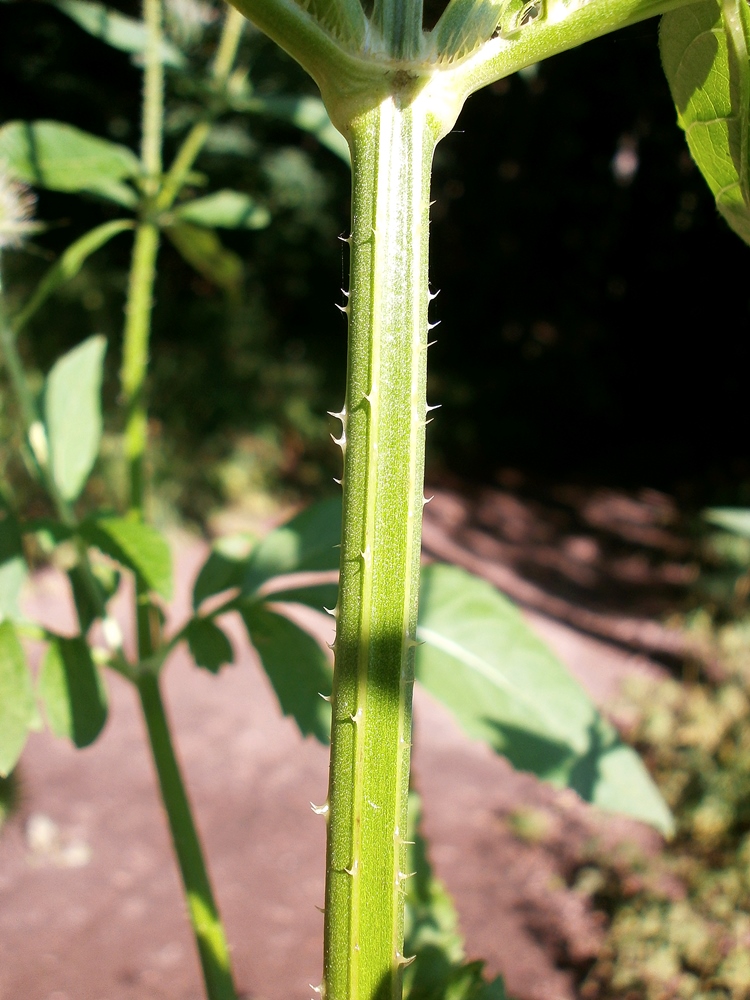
column 394, row 90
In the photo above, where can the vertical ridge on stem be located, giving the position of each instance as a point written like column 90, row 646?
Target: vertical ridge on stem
column 392, row 146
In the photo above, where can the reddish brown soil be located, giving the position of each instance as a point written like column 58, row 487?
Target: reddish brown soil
column 90, row 906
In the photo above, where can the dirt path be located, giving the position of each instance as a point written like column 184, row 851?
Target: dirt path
column 90, row 907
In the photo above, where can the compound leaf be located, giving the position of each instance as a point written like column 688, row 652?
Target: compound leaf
column 704, row 50
column 54, row 155
column 505, row 687
column 113, row 28
column 226, row 210
column 71, row 689
column 135, row 545
column 296, row 667
column 18, row 712
column 209, row 646
column 203, row 250
column 308, row 542
column 12, row 566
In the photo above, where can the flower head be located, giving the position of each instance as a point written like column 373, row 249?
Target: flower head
column 17, row 205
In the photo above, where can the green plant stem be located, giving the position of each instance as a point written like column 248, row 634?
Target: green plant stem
column 153, row 98
column 135, row 355
column 383, row 442
column 187, row 154
column 209, row 933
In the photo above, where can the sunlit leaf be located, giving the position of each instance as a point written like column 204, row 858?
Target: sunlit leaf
column 203, row 250
column 72, row 414
column 308, row 542
column 209, row 646
column 54, row 155
column 506, row 688
column 734, row 519
column 18, row 713
column 74, row 697
column 12, row 566
column 67, row 266
column 704, row 50
column 296, row 667
column 116, row 29
column 225, row 210
column 224, row 569
column 135, row 545
column 321, row 596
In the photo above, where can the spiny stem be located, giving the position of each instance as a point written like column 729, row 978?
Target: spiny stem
column 383, row 440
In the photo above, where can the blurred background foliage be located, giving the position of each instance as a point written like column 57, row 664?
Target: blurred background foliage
column 593, row 304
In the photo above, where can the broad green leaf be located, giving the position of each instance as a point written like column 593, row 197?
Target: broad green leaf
column 704, row 50
column 12, row 566
column 440, row 971
column 322, row 596
column 18, row 713
column 306, row 113
column 225, row 210
column 505, row 687
column 71, row 689
column 734, row 519
column 296, row 667
column 105, row 579
column 69, row 264
column 202, row 249
column 309, row 541
column 209, row 646
column 115, row 29
column 224, row 569
column 72, row 415
column 135, row 545
column 63, row 158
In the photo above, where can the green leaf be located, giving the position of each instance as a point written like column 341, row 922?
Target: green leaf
column 113, row 28
column 202, row 249
column 225, row 210
column 224, row 569
column 310, row 541
column 704, row 50
column 13, row 570
column 306, row 113
column 63, row 158
column 135, row 545
column 18, row 713
column 74, row 697
column 296, row 667
column 322, row 596
column 505, row 687
column 440, row 971
column 72, row 415
column 69, row 264
column 734, row 519
column 209, row 646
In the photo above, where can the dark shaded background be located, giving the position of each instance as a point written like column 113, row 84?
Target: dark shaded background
column 592, row 326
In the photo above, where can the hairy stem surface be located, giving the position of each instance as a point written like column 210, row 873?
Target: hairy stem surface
column 383, row 423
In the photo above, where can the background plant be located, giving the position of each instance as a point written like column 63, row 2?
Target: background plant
column 574, row 756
